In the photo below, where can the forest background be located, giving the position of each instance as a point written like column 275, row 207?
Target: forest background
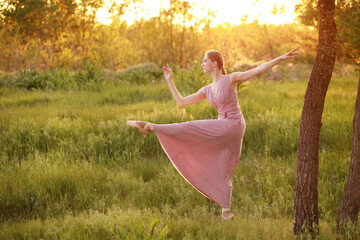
column 65, row 34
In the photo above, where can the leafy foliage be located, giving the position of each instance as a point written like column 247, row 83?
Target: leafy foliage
column 141, row 74
column 30, row 79
column 57, row 79
column 347, row 23
column 65, row 35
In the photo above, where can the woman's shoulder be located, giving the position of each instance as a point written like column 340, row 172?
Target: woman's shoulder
column 231, row 77
column 204, row 89
column 227, row 78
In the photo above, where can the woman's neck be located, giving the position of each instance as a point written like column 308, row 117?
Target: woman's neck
column 217, row 76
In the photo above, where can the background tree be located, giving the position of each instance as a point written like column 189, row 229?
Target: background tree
column 28, row 15
column 350, row 203
column 348, row 29
column 348, row 22
column 39, row 19
column 306, row 189
column 68, row 36
column 346, row 12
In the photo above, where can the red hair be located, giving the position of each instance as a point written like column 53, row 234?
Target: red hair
column 216, row 56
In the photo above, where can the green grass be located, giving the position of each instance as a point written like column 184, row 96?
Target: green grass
column 71, row 169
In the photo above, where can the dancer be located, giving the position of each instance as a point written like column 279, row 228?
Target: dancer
column 206, row 152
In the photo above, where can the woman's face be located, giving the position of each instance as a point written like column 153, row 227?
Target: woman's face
column 208, row 65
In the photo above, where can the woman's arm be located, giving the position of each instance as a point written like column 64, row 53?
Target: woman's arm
column 244, row 76
column 180, row 100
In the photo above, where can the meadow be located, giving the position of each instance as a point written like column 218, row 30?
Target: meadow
column 71, row 169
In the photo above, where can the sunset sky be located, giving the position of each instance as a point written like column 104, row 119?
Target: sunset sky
column 229, row 11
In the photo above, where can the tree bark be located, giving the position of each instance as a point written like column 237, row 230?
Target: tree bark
column 272, row 55
column 306, row 191
column 350, row 203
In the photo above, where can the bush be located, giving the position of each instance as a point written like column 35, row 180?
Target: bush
column 91, row 79
column 141, row 74
column 30, row 79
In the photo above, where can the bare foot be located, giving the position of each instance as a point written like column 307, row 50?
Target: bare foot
column 143, row 127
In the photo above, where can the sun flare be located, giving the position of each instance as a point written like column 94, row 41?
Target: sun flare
column 226, row 11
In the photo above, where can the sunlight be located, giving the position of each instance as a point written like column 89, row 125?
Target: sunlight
column 227, row 11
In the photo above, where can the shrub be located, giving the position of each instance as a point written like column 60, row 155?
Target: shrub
column 90, row 79
column 141, row 74
column 30, row 79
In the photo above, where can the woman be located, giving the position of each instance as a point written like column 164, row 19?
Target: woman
column 206, row 152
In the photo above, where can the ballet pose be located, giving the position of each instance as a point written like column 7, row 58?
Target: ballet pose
column 206, row 152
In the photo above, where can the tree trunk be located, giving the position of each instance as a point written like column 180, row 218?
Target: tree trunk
column 171, row 41
column 272, row 55
column 306, row 191
column 350, row 203
column 182, row 47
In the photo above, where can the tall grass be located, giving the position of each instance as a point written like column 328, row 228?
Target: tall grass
column 70, row 168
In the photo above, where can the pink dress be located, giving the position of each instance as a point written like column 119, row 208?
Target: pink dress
column 205, row 152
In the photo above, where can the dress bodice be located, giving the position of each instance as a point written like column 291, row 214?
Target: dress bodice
column 225, row 100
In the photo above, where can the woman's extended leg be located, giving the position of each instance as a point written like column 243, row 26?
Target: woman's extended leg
column 144, row 127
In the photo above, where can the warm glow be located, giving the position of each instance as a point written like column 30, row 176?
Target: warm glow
column 227, row 11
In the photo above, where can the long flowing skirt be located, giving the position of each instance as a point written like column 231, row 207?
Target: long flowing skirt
column 205, row 153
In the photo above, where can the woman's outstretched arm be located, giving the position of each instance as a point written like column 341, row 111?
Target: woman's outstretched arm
column 244, row 76
column 180, row 100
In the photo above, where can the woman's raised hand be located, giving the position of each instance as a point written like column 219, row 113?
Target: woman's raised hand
column 167, row 72
column 290, row 54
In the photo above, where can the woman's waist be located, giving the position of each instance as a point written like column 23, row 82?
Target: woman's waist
column 234, row 114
